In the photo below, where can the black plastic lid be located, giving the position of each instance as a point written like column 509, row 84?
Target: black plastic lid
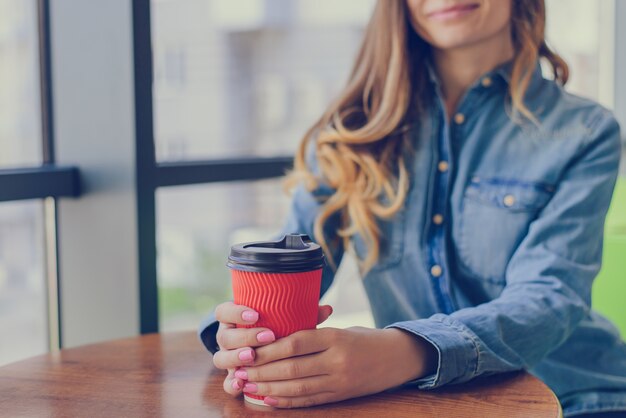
column 293, row 253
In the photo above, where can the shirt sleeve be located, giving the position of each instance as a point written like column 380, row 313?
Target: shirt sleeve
column 305, row 206
column 548, row 279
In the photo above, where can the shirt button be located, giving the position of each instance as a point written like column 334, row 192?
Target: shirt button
column 459, row 118
column 486, row 82
column 436, row 270
column 508, row 200
column 437, row 219
column 442, row 166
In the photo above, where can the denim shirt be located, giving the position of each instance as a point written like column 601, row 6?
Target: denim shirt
column 493, row 256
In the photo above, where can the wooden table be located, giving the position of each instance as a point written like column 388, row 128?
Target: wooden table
column 171, row 375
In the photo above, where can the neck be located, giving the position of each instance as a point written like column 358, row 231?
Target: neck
column 459, row 68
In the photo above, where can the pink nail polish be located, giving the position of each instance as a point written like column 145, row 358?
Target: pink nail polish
column 250, row 388
column 241, row 374
column 246, row 355
column 236, row 385
column 270, row 401
column 265, row 337
column 250, row 316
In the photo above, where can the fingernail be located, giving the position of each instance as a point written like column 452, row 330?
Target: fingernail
column 241, row 374
column 246, row 355
column 270, row 401
column 236, row 385
column 250, row 388
column 250, row 316
column 265, row 337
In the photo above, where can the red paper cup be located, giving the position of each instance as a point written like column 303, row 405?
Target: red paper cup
column 281, row 281
column 286, row 302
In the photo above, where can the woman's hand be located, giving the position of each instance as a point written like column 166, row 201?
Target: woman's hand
column 327, row 365
column 237, row 345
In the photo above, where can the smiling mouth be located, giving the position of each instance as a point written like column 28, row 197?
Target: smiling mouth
column 453, row 12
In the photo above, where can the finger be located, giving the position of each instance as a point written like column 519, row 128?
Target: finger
column 231, row 359
column 309, row 386
column 232, row 338
column 230, row 313
column 323, row 313
column 297, row 344
column 288, row 369
column 301, row 401
column 233, row 385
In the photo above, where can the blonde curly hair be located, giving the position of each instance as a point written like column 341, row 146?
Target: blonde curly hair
column 360, row 141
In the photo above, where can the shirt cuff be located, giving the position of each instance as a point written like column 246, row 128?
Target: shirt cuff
column 207, row 333
column 456, row 348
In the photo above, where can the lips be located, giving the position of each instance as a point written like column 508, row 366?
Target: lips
column 453, row 12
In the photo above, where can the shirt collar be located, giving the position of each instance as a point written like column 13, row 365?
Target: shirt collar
column 502, row 71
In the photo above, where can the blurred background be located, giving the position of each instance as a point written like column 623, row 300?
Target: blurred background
column 138, row 139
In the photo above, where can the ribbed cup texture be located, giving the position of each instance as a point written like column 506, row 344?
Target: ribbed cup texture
column 286, row 302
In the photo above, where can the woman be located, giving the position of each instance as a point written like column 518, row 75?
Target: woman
column 474, row 192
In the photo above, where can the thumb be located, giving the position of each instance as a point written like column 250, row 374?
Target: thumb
column 323, row 313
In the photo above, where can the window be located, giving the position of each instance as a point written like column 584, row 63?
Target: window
column 235, row 81
column 23, row 311
column 20, row 129
column 29, row 182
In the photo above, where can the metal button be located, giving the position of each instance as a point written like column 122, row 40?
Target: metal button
column 436, row 270
column 508, row 200
column 442, row 166
column 459, row 118
column 486, row 81
column 437, row 219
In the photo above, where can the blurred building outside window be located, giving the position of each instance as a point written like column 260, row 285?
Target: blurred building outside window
column 20, row 127
column 23, row 311
column 589, row 49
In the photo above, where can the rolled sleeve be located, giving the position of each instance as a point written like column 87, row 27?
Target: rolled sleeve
column 456, row 348
column 207, row 333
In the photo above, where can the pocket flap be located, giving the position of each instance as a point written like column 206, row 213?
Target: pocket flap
column 512, row 194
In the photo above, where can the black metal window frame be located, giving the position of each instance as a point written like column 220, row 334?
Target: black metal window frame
column 152, row 175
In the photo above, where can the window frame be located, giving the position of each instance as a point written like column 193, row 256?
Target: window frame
column 47, row 181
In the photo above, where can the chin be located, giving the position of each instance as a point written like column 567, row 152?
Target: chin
column 452, row 40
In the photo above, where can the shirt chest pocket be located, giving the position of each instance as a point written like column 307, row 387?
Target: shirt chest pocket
column 494, row 219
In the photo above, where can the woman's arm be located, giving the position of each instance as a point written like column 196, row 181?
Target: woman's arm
column 548, row 280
